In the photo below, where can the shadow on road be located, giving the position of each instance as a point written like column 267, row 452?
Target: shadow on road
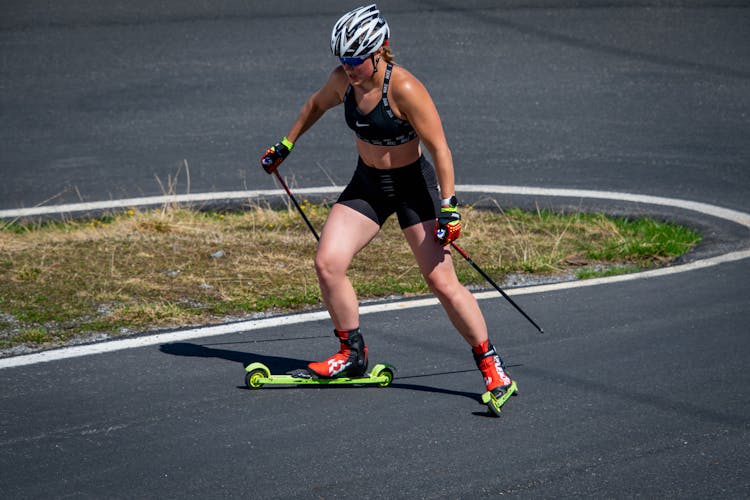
column 278, row 364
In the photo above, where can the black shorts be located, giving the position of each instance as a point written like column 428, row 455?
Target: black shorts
column 411, row 192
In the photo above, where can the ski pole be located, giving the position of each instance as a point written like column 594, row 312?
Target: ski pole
column 299, row 209
column 453, row 244
column 491, row 282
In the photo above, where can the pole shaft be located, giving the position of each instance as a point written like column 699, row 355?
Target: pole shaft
column 299, row 209
column 495, row 285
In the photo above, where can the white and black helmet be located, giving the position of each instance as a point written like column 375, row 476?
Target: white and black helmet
column 359, row 33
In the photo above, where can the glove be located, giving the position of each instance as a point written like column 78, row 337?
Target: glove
column 448, row 224
column 274, row 155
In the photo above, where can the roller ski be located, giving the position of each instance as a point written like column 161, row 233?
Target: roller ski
column 259, row 375
column 500, row 387
column 346, row 367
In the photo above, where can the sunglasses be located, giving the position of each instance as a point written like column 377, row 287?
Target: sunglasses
column 352, row 61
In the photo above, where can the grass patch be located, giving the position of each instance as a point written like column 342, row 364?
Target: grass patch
column 174, row 267
column 588, row 273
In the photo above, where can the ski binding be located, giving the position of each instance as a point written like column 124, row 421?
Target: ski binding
column 495, row 403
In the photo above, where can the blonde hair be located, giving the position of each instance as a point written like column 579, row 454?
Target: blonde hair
column 387, row 54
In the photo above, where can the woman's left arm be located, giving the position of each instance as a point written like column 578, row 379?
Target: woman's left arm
column 414, row 103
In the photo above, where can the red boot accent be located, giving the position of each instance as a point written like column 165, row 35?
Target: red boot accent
column 491, row 365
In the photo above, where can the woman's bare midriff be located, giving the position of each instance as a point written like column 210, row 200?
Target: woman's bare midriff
column 387, row 157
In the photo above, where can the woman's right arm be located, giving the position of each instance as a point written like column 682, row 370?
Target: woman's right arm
column 328, row 96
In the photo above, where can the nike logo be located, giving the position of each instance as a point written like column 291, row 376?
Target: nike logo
column 361, row 124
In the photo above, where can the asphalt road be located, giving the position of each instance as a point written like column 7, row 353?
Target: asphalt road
column 638, row 388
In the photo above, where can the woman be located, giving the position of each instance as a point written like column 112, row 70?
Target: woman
column 392, row 115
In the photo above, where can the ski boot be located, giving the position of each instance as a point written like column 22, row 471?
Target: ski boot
column 350, row 361
column 500, row 387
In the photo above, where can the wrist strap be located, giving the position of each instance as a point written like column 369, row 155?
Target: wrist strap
column 451, row 202
column 286, row 142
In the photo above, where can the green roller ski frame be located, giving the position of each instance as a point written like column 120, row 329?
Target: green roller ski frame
column 494, row 403
column 259, row 375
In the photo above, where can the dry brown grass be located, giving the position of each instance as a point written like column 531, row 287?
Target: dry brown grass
column 173, row 267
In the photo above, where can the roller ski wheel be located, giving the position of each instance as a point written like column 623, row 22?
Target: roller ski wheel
column 258, row 375
column 496, row 398
column 384, row 373
column 254, row 378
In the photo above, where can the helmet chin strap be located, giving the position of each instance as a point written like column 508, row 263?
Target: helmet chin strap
column 374, row 64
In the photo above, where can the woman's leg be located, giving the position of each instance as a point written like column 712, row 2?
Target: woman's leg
column 436, row 265
column 344, row 234
column 461, row 306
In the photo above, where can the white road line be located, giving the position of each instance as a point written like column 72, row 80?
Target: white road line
column 704, row 208
column 182, row 335
column 155, row 200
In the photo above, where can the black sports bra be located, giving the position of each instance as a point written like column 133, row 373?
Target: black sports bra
column 380, row 126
